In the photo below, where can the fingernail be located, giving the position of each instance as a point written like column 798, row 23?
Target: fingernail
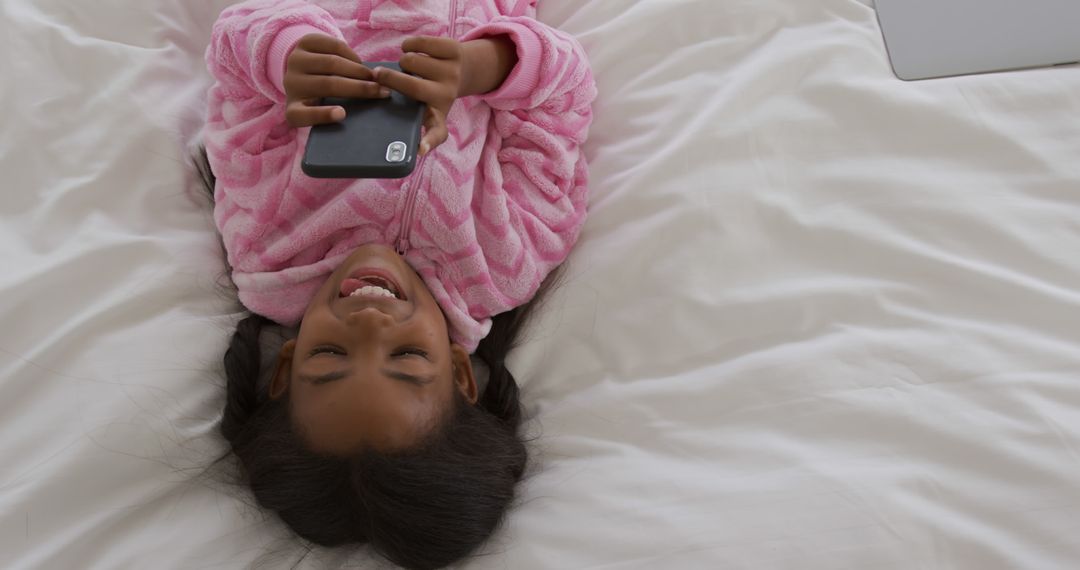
column 384, row 92
column 337, row 114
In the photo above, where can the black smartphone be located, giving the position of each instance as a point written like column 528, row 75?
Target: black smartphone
column 379, row 138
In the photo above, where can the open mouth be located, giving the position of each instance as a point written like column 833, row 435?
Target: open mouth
column 366, row 283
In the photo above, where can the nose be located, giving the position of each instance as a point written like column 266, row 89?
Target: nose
column 369, row 321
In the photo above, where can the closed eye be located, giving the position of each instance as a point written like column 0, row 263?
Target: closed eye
column 326, row 349
column 409, row 351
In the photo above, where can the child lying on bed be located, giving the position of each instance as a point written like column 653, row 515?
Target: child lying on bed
column 370, row 427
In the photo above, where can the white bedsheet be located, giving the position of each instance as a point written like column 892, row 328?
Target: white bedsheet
column 819, row 318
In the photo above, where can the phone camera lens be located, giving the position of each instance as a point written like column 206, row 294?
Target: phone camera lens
column 395, row 152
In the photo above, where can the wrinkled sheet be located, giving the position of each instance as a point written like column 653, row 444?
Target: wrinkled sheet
column 819, row 318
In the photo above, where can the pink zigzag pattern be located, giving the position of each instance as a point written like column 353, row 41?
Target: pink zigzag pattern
column 499, row 204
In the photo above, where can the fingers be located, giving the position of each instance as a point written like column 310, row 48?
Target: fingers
column 327, row 64
column 417, row 88
column 442, row 48
column 425, row 66
column 321, row 43
column 324, row 66
column 309, row 86
column 308, row 113
column 398, row 81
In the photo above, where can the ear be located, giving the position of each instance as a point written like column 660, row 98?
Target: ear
column 279, row 385
column 463, row 373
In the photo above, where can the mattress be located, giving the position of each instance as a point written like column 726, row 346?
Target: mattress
column 818, row 318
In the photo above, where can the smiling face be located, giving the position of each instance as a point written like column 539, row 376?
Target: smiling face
column 373, row 365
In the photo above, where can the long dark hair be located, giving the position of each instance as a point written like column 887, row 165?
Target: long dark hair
column 422, row 507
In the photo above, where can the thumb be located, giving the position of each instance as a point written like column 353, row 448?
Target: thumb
column 436, row 132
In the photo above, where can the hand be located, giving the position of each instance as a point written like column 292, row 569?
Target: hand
column 436, row 65
column 444, row 69
column 324, row 66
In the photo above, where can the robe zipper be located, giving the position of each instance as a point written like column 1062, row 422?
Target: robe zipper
column 402, row 245
column 413, row 189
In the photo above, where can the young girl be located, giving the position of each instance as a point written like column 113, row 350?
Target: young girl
column 368, row 426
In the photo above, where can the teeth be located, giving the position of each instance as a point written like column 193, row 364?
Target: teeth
column 372, row 291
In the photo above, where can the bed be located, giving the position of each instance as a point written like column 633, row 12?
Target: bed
column 819, row 318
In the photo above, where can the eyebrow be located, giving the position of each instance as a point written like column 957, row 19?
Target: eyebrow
column 339, row 374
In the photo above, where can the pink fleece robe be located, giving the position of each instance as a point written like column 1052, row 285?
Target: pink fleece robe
column 482, row 219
